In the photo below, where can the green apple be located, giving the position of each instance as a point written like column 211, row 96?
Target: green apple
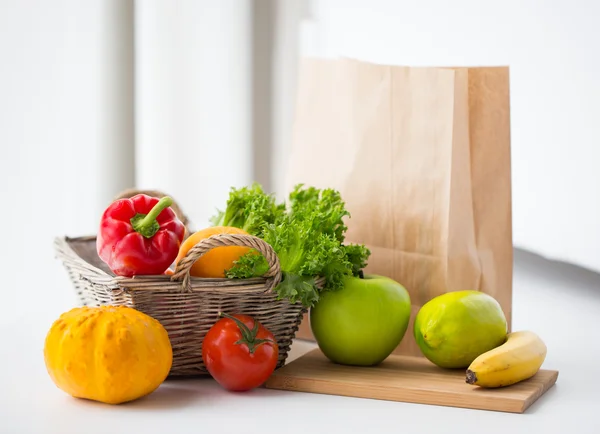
column 363, row 322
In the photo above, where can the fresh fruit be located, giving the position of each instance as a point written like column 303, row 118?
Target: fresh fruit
column 454, row 328
column 363, row 322
column 110, row 354
column 239, row 352
column 215, row 262
column 518, row 359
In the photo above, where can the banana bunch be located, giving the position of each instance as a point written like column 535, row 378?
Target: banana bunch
column 517, row 359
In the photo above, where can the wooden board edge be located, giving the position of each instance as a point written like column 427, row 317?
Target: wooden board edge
column 279, row 381
column 305, row 385
column 546, row 386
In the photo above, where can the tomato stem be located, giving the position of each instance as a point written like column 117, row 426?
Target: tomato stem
column 248, row 336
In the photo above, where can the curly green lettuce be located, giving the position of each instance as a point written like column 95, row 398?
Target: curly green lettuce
column 325, row 207
column 307, row 237
column 358, row 255
column 250, row 209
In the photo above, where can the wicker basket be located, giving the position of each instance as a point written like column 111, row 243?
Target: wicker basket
column 186, row 306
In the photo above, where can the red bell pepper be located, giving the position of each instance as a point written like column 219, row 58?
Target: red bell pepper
column 139, row 235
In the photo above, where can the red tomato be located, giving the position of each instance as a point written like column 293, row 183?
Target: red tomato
column 239, row 352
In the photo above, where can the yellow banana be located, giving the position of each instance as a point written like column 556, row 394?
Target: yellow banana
column 517, row 359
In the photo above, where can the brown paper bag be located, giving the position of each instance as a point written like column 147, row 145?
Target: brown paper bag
column 422, row 158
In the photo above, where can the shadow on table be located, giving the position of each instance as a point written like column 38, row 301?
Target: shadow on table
column 174, row 395
column 171, row 394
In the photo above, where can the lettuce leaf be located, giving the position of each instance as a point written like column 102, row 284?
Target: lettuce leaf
column 307, row 235
column 249, row 208
column 358, row 255
column 325, row 207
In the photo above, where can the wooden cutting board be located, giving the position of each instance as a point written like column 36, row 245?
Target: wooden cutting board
column 406, row 379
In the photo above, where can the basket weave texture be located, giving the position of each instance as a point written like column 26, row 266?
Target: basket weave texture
column 186, row 306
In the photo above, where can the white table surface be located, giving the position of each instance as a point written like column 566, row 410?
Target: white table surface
column 559, row 302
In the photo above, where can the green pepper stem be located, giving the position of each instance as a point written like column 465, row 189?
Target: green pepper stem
column 147, row 224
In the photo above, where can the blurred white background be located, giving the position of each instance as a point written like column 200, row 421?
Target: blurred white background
column 193, row 97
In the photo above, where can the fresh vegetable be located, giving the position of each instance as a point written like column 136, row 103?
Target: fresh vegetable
column 454, row 328
column 362, row 323
column 357, row 255
column 108, row 354
column 307, row 235
column 139, row 235
column 249, row 208
column 239, row 352
column 216, row 261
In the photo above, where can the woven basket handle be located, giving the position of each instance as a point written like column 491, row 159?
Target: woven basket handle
column 159, row 194
column 182, row 272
